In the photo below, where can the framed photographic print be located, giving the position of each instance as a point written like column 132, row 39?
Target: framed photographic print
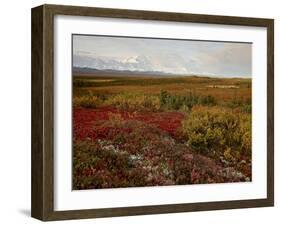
column 141, row 112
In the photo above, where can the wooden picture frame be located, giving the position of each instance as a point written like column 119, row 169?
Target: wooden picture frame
column 42, row 203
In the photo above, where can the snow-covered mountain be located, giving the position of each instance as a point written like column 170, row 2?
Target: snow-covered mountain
column 134, row 63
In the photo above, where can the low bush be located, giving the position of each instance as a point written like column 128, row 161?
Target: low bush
column 87, row 101
column 207, row 100
column 247, row 108
column 244, row 105
column 82, row 83
column 176, row 102
column 130, row 101
column 134, row 102
column 217, row 132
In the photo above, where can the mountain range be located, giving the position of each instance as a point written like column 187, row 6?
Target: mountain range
column 136, row 64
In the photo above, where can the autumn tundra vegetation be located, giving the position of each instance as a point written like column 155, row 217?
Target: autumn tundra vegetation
column 132, row 131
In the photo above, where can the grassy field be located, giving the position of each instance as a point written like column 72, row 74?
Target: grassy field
column 147, row 131
column 180, row 85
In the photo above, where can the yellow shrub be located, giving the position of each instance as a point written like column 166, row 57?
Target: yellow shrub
column 88, row 101
column 134, row 102
column 218, row 131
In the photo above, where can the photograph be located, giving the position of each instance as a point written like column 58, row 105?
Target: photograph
column 138, row 112
column 159, row 112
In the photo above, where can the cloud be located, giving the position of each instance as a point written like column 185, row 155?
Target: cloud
column 231, row 59
column 172, row 56
column 138, row 63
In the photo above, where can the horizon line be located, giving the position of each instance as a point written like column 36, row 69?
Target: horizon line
column 162, row 73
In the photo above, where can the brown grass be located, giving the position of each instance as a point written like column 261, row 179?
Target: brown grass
column 179, row 86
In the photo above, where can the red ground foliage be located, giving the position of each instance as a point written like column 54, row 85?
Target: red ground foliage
column 86, row 121
column 115, row 148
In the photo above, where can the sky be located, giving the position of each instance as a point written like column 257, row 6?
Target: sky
column 184, row 57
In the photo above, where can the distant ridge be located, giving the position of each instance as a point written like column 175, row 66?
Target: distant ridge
column 90, row 71
column 86, row 71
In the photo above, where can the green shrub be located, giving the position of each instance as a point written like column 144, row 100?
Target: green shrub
column 247, row 108
column 82, row 83
column 207, row 100
column 176, row 102
column 243, row 105
column 234, row 103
